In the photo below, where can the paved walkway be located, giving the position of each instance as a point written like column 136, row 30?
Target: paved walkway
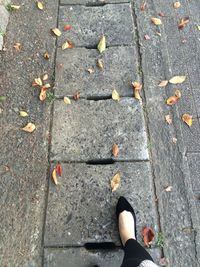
column 48, row 225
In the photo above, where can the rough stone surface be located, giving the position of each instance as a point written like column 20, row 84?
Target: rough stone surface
column 76, row 257
column 114, row 21
column 194, row 165
column 81, row 208
column 86, row 130
column 121, row 68
column 90, row 2
column 4, row 15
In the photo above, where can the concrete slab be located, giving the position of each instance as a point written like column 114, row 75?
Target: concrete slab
column 194, row 165
column 80, row 257
column 120, row 69
column 81, row 208
column 92, row 2
column 89, row 23
column 86, row 130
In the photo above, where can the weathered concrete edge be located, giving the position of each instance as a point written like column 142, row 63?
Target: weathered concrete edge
column 4, row 17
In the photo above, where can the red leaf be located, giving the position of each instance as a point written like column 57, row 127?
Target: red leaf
column 58, row 169
column 67, row 27
column 148, row 235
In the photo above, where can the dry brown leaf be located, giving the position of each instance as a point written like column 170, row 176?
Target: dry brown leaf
column 148, row 235
column 90, row 70
column 46, row 55
column 43, row 93
column 168, row 119
column 29, row 128
column 100, row 64
column 143, row 6
column 137, row 88
column 77, row 95
column 67, row 45
column 168, row 188
column 17, row 46
column 56, row 31
column 40, row 5
column 37, row 82
column 187, row 119
column 67, row 100
column 115, row 182
column 172, row 100
column 177, row 4
column 178, row 93
column 115, row 150
column 177, row 79
column 162, row 14
column 45, row 77
column 183, row 23
column 163, row 83
column 156, row 21
column 23, row 113
column 102, row 44
column 174, row 140
column 158, row 33
column 54, row 177
column 115, row 95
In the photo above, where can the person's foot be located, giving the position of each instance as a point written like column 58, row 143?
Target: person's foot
column 126, row 220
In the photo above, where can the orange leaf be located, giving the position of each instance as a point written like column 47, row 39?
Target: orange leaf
column 115, row 150
column 183, row 23
column 59, row 169
column 172, row 100
column 54, row 177
column 163, row 83
column 137, row 88
column 68, row 45
column 29, row 128
column 148, row 235
column 187, row 119
column 43, row 93
column 67, row 27
column 46, row 55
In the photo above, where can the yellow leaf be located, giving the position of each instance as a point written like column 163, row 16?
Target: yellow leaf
column 67, row 100
column 45, row 77
column 56, row 31
column 23, row 113
column 15, row 7
column 29, row 128
column 177, row 79
column 102, row 44
column 67, row 44
column 187, row 119
column 40, row 5
column 115, row 182
column 100, row 64
column 156, row 21
column 177, row 4
column 47, row 85
column 163, row 83
column 54, row 177
column 198, row 27
column 17, row 46
column 115, row 95
column 37, row 82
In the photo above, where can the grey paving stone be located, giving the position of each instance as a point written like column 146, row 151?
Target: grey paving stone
column 86, row 130
column 81, row 208
column 194, row 165
column 121, row 68
column 80, row 257
column 114, row 21
column 88, row 2
column 4, row 15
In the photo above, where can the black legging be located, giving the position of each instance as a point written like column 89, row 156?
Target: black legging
column 134, row 254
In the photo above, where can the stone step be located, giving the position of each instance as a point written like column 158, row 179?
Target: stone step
column 120, row 69
column 89, row 23
column 81, row 208
column 80, row 257
column 86, row 130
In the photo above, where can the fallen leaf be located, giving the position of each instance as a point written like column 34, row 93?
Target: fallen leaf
column 187, row 119
column 43, row 93
column 168, row 119
column 158, row 33
column 100, row 64
column 178, row 93
column 162, row 14
column 198, row 27
column 137, row 88
column 143, row 6
column 37, row 82
column 47, row 85
column 40, row 5
column 168, row 188
column 163, row 83
column 67, row 100
column 54, row 177
column 177, row 79
column 156, row 21
column 146, row 37
column 56, row 31
column 77, row 95
column 67, row 27
column 172, row 100
column 15, row 7
column 90, row 70
column 148, row 235
column 46, row 55
column 115, row 95
column 177, row 4
column 183, row 23
column 68, row 45
column 58, row 169
column 163, row 262
column 115, row 182
column 45, row 77
column 115, row 150
column 17, row 46
column 23, row 113
column 29, row 128
column 102, row 44
column 174, row 140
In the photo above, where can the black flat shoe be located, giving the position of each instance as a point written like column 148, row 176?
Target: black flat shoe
column 122, row 205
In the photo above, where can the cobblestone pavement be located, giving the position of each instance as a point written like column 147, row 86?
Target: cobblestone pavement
column 48, row 225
